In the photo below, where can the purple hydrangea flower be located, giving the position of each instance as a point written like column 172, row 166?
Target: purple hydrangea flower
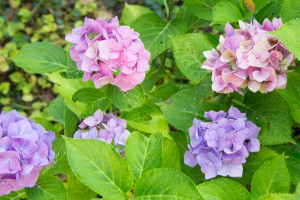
column 107, row 128
column 25, row 149
column 109, row 54
column 249, row 57
column 221, row 146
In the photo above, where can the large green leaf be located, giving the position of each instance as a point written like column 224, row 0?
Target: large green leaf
column 100, row 167
column 291, row 94
column 187, row 104
column 11, row 196
column 167, row 184
column 64, row 115
column 254, row 161
column 155, row 33
column 148, row 119
column 223, row 189
column 270, row 112
column 288, row 34
column 290, row 10
column 201, row 8
column 188, row 51
column 48, row 187
column 132, row 12
column 94, row 99
column 233, row 14
column 77, row 190
column 61, row 164
column 41, row 58
column 66, row 89
column 271, row 10
column 126, row 101
column 292, row 153
column 143, row 154
column 271, row 177
column 171, row 158
column 277, row 196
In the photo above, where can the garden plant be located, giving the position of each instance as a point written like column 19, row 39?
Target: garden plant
column 187, row 100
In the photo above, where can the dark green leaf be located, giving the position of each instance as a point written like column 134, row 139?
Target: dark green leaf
column 155, row 33
column 188, row 52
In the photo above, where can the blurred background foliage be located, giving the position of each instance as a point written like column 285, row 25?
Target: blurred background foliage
column 29, row 21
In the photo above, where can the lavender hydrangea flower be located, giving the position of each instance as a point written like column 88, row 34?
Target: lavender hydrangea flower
column 25, row 149
column 249, row 57
column 108, row 53
column 221, row 146
column 107, row 128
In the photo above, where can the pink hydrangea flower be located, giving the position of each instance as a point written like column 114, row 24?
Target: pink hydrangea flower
column 107, row 128
column 25, row 149
column 109, row 54
column 249, row 57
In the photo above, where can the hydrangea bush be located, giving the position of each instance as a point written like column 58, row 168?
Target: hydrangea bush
column 143, row 116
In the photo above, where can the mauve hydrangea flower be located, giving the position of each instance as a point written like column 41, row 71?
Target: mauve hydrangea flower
column 109, row 54
column 221, row 146
column 25, row 149
column 249, row 57
column 107, row 128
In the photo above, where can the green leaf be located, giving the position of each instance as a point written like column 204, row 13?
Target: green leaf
column 147, row 119
column 126, row 101
column 233, row 14
column 155, row 33
column 76, row 190
column 288, row 34
column 167, row 184
column 291, row 95
column 143, row 154
column 66, row 88
column 292, row 152
column 94, row 99
column 11, row 196
column 162, row 92
column 223, row 189
column 41, row 58
column 189, row 19
column 271, row 177
column 170, row 154
column 132, row 12
column 290, row 10
column 260, row 4
column 254, row 161
column 47, row 187
column 277, row 197
column 269, row 112
column 187, row 104
column 188, row 52
column 64, row 115
column 269, row 11
column 61, row 164
column 72, row 73
column 201, row 8
column 152, row 76
column 97, row 165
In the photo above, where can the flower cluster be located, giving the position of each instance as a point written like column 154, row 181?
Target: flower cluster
column 107, row 128
column 249, row 57
column 25, row 148
column 221, row 147
column 109, row 53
